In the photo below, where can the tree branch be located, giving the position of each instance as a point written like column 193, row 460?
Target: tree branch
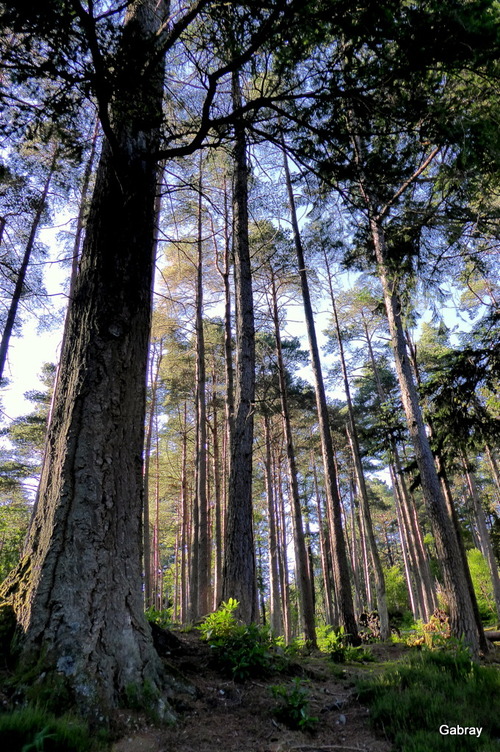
column 408, row 182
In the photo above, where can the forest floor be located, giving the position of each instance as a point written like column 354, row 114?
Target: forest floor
column 225, row 716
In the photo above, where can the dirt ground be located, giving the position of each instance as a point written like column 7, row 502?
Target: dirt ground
column 224, row 716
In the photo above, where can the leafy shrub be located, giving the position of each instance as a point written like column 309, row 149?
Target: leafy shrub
column 33, row 730
column 333, row 640
column 162, row 618
column 222, row 623
column 293, row 708
column 431, row 688
column 241, row 650
column 436, row 633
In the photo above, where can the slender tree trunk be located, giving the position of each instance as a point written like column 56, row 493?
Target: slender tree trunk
column 158, row 355
column 21, row 275
column 462, row 619
column 217, row 494
column 177, row 559
column 495, row 472
column 239, row 578
column 352, row 434
column 275, row 605
column 184, row 615
column 283, row 560
column 324, row 544
column 418, row 563
column 200, row 579
column 157, row 568
column 304, row 585
column 414, row 535
column 77, row 591
column 385, row 631
column 340, row 564
column 356, row 565
column 364, row 559
column 228, row 337
column 483, row 534
column 411, row 570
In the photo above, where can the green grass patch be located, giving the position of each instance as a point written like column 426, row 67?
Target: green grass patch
column 34, row 730
column 409, row 703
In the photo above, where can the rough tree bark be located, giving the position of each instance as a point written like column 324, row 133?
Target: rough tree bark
column 239, row 579
column 77, row 590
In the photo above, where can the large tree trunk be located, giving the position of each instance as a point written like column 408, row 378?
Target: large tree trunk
column 77, row 591
column 239, row 579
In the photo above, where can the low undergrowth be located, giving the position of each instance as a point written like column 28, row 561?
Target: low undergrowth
column 34, row 730
column 162, row 618
column 431, row 690
column 333, row 640
column 292, row 708
column 242, row 651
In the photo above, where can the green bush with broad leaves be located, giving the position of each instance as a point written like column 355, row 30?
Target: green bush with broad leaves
column 239, row 650
column 162, row 618
column 333, row 640
column 293, row 706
